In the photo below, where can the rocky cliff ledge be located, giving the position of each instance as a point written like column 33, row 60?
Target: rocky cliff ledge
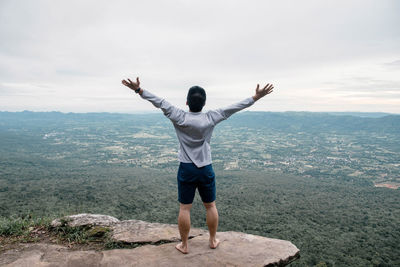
column 153, row 244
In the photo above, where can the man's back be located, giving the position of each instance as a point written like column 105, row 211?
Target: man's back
column 194, row 135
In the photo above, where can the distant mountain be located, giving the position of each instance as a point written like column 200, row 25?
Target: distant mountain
column 316, row 122
column 363, row 114
column 283, row 121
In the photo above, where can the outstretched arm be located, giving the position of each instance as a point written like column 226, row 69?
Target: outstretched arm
column 175, row 114
column 221, row 114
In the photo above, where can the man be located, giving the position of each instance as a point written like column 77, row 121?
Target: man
column 194, row 130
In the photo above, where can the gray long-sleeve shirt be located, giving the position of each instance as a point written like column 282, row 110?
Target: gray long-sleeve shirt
column 194, row 129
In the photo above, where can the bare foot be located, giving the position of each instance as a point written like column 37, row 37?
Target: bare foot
column 214, row 243
column 181, row 248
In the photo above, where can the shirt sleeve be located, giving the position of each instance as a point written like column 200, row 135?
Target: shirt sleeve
column 221, row 114
column 175, row 114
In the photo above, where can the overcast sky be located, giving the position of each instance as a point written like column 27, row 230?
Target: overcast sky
column 71, row 56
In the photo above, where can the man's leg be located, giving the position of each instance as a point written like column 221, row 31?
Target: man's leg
column 212, row 222
column 184, row 227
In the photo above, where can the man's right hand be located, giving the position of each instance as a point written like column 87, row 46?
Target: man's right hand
column 263, row 92
column 132, row 85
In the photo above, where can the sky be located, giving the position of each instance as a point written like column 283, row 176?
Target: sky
column 71, row 56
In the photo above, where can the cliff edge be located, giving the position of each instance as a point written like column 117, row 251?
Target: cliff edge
column 150, row 244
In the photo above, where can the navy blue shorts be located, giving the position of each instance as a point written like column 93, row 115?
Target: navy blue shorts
column 190, row 177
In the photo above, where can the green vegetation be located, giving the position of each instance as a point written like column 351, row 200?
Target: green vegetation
column 125, row 166
column 21, row 229
column 16, row 230
column 80, row 234
column 20, row 225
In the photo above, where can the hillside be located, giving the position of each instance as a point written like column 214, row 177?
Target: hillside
column 315, row 188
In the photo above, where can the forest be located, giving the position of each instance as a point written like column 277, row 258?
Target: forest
column 124, row 165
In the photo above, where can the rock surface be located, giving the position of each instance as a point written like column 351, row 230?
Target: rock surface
column 86, row 219
column 135, row 231
column 235, row 249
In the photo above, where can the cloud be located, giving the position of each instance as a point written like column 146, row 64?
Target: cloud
column 368, row 84
column 24, row 89
column 83, row 49
column 387, row 95
column 393, row 65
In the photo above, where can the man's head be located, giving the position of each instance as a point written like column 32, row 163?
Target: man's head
column 196, row 98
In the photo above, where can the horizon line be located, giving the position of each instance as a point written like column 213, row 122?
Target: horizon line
column 154, row 112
